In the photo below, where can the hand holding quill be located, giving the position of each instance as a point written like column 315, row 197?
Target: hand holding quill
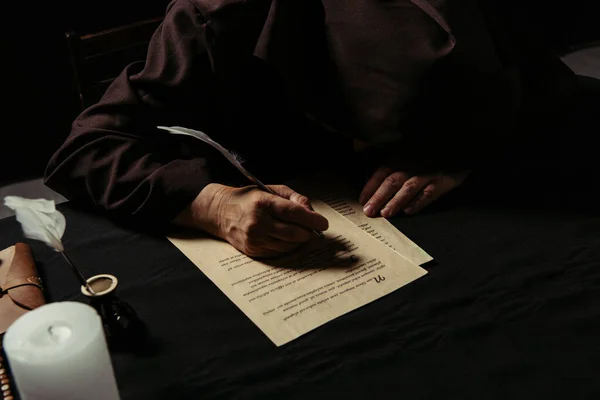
column 232, row 158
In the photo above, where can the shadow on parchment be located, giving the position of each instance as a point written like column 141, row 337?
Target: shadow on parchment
column 318, row 253
column 315, row 254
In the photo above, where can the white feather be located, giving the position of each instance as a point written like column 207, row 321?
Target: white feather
column 232, row 157
column 39, row 220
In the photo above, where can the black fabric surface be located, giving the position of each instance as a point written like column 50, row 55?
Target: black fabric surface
column 509, row 309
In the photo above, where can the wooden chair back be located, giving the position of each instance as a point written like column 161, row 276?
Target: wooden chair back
column 98, row 58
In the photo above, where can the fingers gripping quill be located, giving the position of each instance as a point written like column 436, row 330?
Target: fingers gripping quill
column 230, row 156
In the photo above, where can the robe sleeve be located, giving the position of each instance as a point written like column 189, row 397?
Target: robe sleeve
column 115, row 159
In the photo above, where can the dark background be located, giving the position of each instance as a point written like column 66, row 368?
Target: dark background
column 39, row 102
column 39, row 99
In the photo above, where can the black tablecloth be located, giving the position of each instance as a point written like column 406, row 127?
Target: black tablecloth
column 510, row 309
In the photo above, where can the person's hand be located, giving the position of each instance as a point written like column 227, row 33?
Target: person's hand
column 255, row 222
column 388, row 191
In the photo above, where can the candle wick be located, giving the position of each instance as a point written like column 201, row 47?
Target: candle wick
column 59, row 333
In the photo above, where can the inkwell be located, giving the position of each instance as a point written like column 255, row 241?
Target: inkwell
column 41, row 221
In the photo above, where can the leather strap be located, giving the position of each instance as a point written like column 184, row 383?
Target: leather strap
column 21, row 281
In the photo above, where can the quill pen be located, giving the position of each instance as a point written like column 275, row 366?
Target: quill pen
column 232, row 158
column 40, row 220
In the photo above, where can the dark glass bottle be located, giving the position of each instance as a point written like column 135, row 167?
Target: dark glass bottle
column 123, row 329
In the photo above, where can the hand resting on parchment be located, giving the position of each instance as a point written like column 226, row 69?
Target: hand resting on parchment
column 396, row 187
column 390, row 191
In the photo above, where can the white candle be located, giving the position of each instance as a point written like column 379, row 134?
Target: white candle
column 58, row 351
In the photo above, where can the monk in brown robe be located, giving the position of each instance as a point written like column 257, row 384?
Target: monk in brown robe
column 425, row 90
